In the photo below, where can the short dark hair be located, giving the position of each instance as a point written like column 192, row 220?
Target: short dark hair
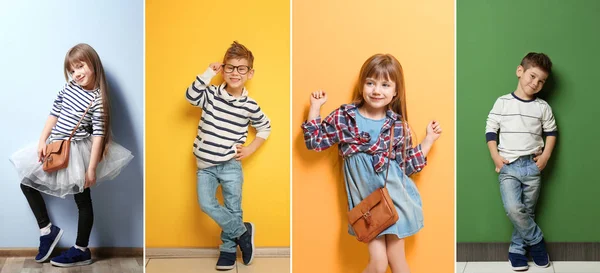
column 539, row 60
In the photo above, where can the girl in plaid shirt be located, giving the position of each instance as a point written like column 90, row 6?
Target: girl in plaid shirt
column 362, row 131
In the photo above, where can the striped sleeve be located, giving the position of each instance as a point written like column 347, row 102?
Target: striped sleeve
column 493, row 121
column 57, row 105
column 97, row 117
column 261, row 123
column 197, row 92
column 548, row 123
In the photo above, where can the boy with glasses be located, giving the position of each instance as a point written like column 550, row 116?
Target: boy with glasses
column 226, row 113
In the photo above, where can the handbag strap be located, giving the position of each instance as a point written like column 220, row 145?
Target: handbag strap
column 390, row 152
column 81, row 119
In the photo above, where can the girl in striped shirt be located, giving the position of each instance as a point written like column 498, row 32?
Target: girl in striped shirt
column 92, row 157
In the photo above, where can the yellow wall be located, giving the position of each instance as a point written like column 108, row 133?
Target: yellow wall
column 182, row 38
column 331, row 40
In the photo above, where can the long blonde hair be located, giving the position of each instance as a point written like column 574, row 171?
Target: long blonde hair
column 385, row 66
column 85, row 53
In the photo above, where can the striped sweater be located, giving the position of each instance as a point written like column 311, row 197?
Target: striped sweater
column 521, row 123
column 224, row 121
column 69, row 106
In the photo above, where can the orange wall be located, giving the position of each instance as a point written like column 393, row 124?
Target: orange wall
column 331, row 40
column 182, row 39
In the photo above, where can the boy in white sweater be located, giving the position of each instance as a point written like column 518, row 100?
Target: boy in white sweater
column 523, row 120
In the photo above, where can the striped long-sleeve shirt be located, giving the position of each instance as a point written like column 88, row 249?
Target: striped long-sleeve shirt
column 224, row 121
column 521, row 123
column 69, row 106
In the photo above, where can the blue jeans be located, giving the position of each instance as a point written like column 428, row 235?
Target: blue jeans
column 228, row 217
column 520, row 184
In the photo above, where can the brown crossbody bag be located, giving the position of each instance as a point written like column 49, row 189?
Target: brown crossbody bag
column 56, row 155
column 376, row 212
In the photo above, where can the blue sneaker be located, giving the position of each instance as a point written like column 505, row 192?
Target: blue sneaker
column 226, row 261
column 539, row 254
column 518, row 261
column 246, row 243
column 47, row 244
column 72, row 257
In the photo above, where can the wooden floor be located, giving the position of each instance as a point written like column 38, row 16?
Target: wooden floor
column 207, row 265
column 106, row 265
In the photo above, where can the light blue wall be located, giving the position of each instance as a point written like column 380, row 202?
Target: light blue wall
column 34, row 38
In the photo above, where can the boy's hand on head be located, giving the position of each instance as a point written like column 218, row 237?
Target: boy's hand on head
column 499, row 162
column 318, row 98
column 243, row 152
column 434, row 130
column 216, row 67
column 541, row 161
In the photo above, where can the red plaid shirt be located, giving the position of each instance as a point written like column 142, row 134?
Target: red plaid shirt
column 340, row 127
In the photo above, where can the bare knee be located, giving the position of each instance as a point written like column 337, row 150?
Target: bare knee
column 379, row 265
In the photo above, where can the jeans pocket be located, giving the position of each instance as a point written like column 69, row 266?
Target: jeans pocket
column 534, row 168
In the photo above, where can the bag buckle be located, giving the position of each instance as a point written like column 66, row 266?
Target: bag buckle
column 367, row 217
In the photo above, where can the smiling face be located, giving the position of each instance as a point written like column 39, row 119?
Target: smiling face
column 378, row 93
column 83, row 75
column 531, row 81
column 235, row 73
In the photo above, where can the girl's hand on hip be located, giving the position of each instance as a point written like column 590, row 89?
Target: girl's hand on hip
column 41, row 151
column 434, row 130
column 216, row 67
column 318, row 98
column 90, row 178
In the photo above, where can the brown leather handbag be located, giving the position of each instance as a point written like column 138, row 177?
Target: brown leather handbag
column 56, row 155
column 376, row 212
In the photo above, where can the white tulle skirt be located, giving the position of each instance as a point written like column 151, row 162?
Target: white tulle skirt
column 71, row 179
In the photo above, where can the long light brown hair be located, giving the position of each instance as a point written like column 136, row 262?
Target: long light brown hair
column 85, row 53
column 385, row 66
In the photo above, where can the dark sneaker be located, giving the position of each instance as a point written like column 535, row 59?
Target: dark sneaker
column 72, row 257
column 47, row 244
column 518, row 261
column 246, row 243
column 539, row 254
column 226, row 261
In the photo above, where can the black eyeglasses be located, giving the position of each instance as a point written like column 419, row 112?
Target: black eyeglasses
column 242, row 69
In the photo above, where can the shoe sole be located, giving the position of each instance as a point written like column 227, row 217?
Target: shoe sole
column 225, row 267
column 43, row 259
column 543, row 266
column 86, row 262
column 521, row 268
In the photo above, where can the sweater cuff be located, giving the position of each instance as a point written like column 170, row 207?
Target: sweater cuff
column 491, row 136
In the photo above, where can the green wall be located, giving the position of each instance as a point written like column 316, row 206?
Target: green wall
column 492, row 37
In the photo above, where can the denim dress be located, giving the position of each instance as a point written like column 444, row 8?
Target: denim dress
column 361, row 180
